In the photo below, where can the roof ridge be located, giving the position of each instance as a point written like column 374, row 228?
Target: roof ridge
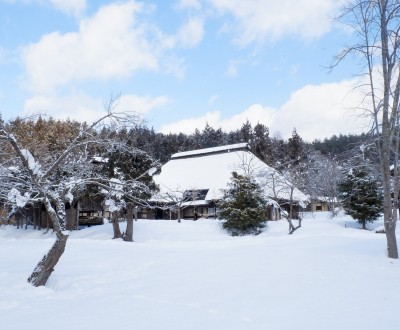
column 213, row 150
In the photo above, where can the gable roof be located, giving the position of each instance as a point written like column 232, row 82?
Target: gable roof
column 212, row 169
column 211, row 151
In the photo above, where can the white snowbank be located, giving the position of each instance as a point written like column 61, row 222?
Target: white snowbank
column 192, row 275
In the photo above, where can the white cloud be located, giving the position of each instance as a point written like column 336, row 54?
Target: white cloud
column 175, row 66
column 189, row 125
column 111, row 44
column 316, row 111
column 70, row 7
column 191, row 33
column 233, row 66
column 79, row 107
column 73, row 7
column 257, row 20
column 319, row 111
column 142, row 104
column 254, row 114
column 108, row 45
column 83, row 107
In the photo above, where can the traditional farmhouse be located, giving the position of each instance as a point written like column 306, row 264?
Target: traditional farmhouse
column 192, row 182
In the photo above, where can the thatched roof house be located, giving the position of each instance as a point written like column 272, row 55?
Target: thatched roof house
column 194, row 180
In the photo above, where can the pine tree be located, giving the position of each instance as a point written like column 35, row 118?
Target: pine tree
column 295, row 147
column 360, row 196
column 207, row 137
column 261, row 145
column 243, row 207
column 246, row 132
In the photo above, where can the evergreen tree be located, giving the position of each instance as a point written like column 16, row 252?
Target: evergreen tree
column 219, row 137
column 339, row 145
column 243, row 207
column 360, row 195
column 234, row 137
column 261, row 145
column 195, row 140
column 246, row 132
column 295, row 147
column 208, row 137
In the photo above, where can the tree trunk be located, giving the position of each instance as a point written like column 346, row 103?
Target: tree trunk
column 34, row 218
column 71, row 218
column 40, row 217
column 386, row 139
column 292, row 228
column 179, row 214
column 47, row 222
column 128, row 236
column 116, row 229
column 390, row 224
column 78, row 205
column 46, row 266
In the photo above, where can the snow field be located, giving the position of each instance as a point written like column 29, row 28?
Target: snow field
column 192, row 275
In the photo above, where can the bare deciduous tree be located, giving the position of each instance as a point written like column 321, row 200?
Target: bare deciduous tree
column 177, row 200
column 376, row 25
column 322, row 177
column 38, row 179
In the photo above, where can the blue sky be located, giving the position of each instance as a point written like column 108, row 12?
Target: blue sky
column 180, row 63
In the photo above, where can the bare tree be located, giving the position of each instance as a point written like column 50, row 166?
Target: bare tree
column 177, row 200
column 287, row 196
column 248, row 164
column 376, row 24
column 322, row 177
column 39, row 181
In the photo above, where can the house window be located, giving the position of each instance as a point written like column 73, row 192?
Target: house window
column 318, row 208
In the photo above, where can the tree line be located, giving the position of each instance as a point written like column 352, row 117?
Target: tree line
column 57, row 162
column 316, row 165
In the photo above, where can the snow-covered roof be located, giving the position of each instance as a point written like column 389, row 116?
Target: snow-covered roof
column 213, row 171
column 323, row 199
column 198, row 152
column 193, row 203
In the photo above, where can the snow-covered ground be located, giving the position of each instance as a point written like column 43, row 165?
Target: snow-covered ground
column 192, row 275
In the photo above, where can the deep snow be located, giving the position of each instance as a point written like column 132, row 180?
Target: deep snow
column 192, row 275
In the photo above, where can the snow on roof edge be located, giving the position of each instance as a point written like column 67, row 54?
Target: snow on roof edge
column 226, row 148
